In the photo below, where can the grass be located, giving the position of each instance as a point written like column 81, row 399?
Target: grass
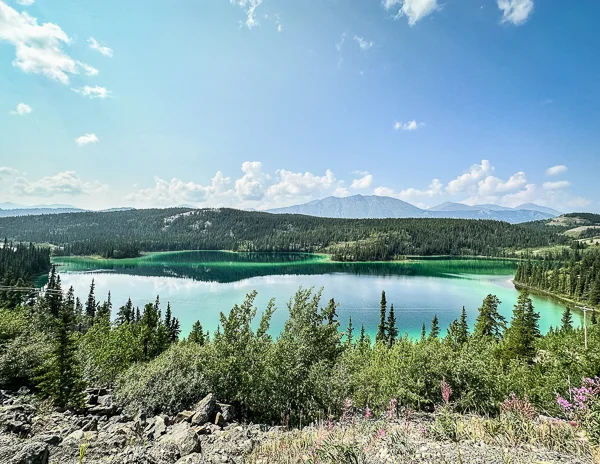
column 379, row 441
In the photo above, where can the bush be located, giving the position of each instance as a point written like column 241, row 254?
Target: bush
column 170, row 383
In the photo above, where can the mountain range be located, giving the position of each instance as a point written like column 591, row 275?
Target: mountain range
column 371, row 206
column 13, row 209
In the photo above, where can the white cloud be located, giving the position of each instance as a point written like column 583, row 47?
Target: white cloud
column 364, row 44
column 5, row 171
column 251, row 185
column 21, row 109
column 469, row 178
column 93, row 92
column 249, row 7
column 408, row 126
column 364, row 182
column 338, row 46
column 89, row 70
column 95, row 45
column 177, row 192
column 414, row 10
column 297, row 184
column 38, row 48
column 86, row 139
column 413, row 195
column 26, row 2
column 63, row 183
column 491, row 185
column 279, row 28
column 559, row 185
column 515, row 11
column 558, row 169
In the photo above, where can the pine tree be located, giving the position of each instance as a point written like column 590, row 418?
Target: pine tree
column 197, row 335
column 330, row 312
column 594, row 320
column 435, row 328
column 361, row 339
column 595, row 293
column 490, row 323
column 62, row 380
column 520, row 337
column 90, row 305
column 423, row 332
column 349, row 331
column 381, row 328
column 566, row 321
column 104, row 310
column 126, row 313
column 391, row 327
column 174, row 330
column 463, row 327
column 54, row 293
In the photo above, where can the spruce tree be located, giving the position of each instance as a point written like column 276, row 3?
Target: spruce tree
column 361, row 339
column 197, row 335
column 435, row 328
column 520, row 337
column 595, row 293
column 594, row 320
column 90, row 305
column 349, row 331
column 566, row 321
column 330, row 312
column 54, row 293
column 423, row 332
column 391, row 327
column 61, row 379
column 462, row 327
column 490, row 323
column 126, row 313
column 381, row 328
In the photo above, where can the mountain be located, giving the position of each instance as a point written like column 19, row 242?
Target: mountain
column 10, row 205
column 372, row 207
column 450, row 206
column 31, row 211
column 354, row 207
column 541, row 209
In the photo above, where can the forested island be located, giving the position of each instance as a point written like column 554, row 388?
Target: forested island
column 127, row 233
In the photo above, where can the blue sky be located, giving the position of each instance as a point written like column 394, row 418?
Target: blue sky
column 265, row 103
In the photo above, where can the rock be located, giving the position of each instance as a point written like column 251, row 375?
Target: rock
column 23, row 391
column 219, row 420
column 160, row 426
column 194, row 458
column 185, row 437
column 33, row 452
column 49, row 438
column 184, row 416
column 226, row 411
column 205, row 410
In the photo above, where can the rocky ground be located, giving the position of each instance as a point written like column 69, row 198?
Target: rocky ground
column 33, row 433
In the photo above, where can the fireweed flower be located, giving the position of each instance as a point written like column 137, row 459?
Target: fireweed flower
column 368, row 413
column 446, row 391
column 391, row 410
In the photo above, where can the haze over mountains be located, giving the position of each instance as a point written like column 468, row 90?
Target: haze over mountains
column 371, row 206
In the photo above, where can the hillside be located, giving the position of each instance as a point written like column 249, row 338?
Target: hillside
column 126, row 233
column 377, row 207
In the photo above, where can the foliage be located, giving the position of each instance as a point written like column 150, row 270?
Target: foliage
column 127, row 233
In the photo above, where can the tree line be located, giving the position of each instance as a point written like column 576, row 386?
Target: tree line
column 577, row 279
column 127, row 233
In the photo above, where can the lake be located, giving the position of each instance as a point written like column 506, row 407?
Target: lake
column 201, row 284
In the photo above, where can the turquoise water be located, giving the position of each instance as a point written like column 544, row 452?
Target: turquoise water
column 201, row 284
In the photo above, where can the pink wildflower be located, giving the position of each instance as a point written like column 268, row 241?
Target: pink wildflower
column 368, row 413
column 391, row 410
column 446, row 392
column 381, row 433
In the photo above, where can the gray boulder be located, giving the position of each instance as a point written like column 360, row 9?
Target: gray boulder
column 226, row 411
column 32, row 452
column 205, row 410
column 194, row 458
column 185, row 437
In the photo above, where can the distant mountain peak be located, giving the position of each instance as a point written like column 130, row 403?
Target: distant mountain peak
column 378, row 207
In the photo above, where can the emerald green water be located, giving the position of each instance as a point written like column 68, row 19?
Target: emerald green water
column 201, row 284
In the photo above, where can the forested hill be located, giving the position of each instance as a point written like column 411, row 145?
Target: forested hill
column 126, row 233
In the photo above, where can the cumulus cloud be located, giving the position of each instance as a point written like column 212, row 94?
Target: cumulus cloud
column 515, row 11
column 26, row 2
column 414, row 195
column 95, row 45
column 5, row 171
column 364, row 182
column 408, row 126
column 364, row 44
column 251, row 185
column 414, row 10
column 556, row 170
column 93, row 92
column 559, row 185
column 21, row 109
column 86, row 139
column 469, row 178
column 492, row 185
column 63, row 183
column 249, row 6
column 89, row 70
column 38, row 48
